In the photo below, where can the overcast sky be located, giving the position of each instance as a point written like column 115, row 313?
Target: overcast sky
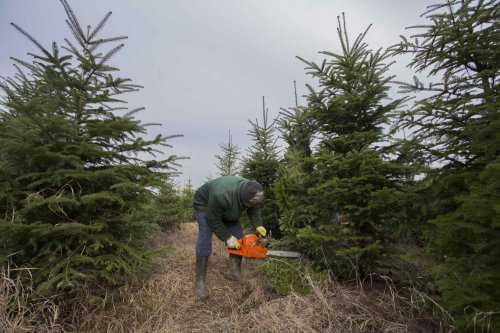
column 205, row 64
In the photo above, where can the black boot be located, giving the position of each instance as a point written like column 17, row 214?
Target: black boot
column 201, row 273
column 235, row 268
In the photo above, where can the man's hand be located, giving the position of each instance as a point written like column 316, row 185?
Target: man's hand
column 233, row 243
column 262, row 231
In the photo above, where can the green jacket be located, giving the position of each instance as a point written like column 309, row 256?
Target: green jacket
column 220, row 200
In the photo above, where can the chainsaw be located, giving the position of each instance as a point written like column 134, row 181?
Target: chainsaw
column 256, row 246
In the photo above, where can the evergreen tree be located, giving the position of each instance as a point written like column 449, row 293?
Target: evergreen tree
column 209, row 177
column 186, row 195
column 228, row 163
column 294, row 173
column 262, row 165
column 74, row 192
column 456, row 127
column 355, row 189
column 297, row 129
column 174, row 205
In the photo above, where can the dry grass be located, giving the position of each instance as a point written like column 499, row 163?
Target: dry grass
column 333, row 307
column 166, row 303
column 15, row 313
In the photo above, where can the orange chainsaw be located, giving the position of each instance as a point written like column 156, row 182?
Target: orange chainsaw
column 255, row 246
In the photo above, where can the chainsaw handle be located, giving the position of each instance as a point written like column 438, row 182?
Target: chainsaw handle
column 259, row 238
column 257, row 241
column 267, row 241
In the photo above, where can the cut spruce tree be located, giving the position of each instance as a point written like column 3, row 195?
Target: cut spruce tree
column 354, row 189
column 76, row 177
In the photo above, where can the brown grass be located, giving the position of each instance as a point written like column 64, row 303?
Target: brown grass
column 165, row 302
column 15, row 313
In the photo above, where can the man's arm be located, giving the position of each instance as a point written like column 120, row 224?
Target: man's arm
column 255, row 217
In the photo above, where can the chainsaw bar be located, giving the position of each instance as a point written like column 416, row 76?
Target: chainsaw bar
column 283, row 254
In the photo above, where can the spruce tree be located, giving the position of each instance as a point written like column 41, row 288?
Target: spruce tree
column 355, row 189
column 186, row 201
column 174, row 205
column 456, row 127
column 74, row 185
column 297, row 129
column 228, row 162
column 262, row 165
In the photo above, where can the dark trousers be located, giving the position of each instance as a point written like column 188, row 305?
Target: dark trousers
column 204, row 242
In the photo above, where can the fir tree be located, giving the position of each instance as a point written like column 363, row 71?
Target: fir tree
column 294, row 173
column 262, row 165
column 74, row 190
column 456, row 126
column 174, row 205
column 355, row 189
column 209, row 177
column 186, row 201
column 297, row 129
column 228, row 162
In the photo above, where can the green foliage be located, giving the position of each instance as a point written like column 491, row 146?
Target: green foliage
column 262, row 165
column 468, row 240
column 228, row 162
column 297, row 129
column 457, row 124
column 288, row 276
column 340, row 203
column 174, row 206
column 292, row 200
column 75, row 195
column 456, row 128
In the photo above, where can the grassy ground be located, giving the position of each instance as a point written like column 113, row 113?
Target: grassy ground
column 166, row 302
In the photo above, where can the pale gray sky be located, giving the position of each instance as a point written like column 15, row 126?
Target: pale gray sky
column 206, row 64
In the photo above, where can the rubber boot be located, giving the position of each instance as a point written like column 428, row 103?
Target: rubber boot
column 235, row 268
column 201, row 273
